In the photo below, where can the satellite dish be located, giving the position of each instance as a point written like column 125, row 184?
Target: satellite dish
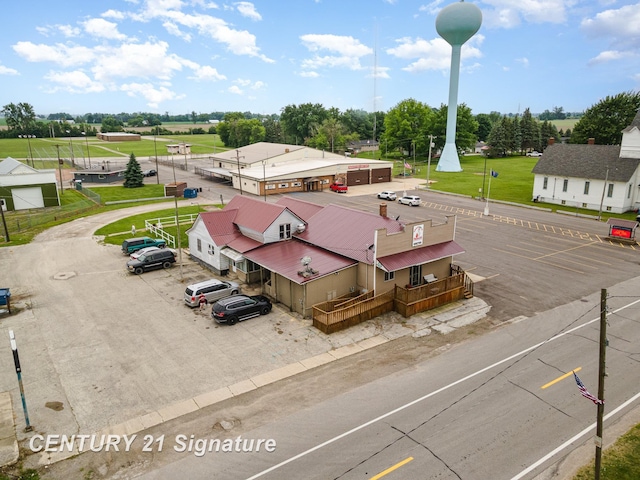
column 306, row 260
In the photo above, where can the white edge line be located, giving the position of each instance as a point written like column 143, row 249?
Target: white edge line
column 442, row 389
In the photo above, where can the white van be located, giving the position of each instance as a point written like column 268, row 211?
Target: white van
column 212, row 289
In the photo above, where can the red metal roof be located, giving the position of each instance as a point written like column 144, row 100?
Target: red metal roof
column 303, row 209
column 284, row 258
column 220, row 225
column 419, row 256
column 346, row 231
column 254, row 214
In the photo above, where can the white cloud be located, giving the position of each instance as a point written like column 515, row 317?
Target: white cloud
column 309, row 74
column 63, row 55
column 206, row 73
column 621, row 25
column 524, row 61
column 511, row 13
column 153, row 95
column 174, row 30
column 348, row 49
column 259, row 85
column 100, row 28
column 115, row 14
column 73, row 82
column 609, row 56
column 432, row 54
column 235, row 90
column 243, row 82
column 248, row 9
column 8, row 71
column 141, row 60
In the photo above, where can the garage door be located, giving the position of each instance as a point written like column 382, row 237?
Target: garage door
column 24, row 198
column 380, row 175
column 359, row 177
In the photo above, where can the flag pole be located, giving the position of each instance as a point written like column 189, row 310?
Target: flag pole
column 601, row 374
column 486, row 206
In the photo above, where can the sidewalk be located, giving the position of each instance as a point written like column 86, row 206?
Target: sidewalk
column 356, row 339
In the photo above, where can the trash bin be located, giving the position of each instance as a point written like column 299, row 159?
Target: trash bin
column 78, row 184
column 190, row 192
column 5, row 298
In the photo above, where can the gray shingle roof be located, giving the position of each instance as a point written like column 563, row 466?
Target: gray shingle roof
column 586, row 161
column 634, row 123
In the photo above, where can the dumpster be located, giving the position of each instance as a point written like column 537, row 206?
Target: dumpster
column 5, row 298
column 78, row 184
column 190, row 192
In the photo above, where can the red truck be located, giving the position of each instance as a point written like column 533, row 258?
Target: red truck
column 338, row 187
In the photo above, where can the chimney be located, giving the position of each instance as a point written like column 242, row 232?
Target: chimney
column 383, row 210
column 551, row 141
column 591, row 141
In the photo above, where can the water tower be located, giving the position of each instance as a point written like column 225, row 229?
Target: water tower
column 456, row 23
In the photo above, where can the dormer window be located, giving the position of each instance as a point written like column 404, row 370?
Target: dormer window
column 285, row 231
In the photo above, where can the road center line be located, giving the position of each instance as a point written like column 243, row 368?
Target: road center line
column 440, row 390
column 553, row 382
column 391, row 469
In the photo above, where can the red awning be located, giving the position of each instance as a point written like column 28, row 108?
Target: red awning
column 418, row 256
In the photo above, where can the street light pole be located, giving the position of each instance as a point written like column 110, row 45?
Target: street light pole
column 86, row 138
column 264, row 179
column 429, row 159
column 73, row 164
column 155, row 148
column 60, row 169
column 238, row 157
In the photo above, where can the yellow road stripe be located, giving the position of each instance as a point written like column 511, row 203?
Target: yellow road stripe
column 391, row 469
column 561, row 378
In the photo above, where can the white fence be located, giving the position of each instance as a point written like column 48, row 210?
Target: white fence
column 155, row 226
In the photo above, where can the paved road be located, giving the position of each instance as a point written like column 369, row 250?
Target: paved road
column 107, row 346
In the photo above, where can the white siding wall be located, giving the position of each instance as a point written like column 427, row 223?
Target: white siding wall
column 199, row 231
column 272, row 234
column 574, row 196
column 630, row 147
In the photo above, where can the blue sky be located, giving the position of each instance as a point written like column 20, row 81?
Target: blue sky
column 180, row 56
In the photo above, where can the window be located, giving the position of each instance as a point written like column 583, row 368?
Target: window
column 211, row 250
column 296, row 184
column 610, row 190
column 270, row 187
column 285, row 231
column 545, row 182
column 415, row 275
column 584, row 205
column 283, row 185
column 586, row 188
column 389, row 276
column 565, row 185
column 629, row 192
column 199, row 246
column 252, row 267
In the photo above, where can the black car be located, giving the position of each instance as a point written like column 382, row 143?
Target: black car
column 149, row 173
column 162, row 258
column 240, row 307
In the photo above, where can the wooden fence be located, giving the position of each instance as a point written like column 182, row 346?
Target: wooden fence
column 338, row 314
column 344, row 312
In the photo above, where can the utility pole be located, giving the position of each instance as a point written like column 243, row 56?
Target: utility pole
column 238, row 157
column 4, row 222
column 60, row 169
column 429, row 159
column 602, row 372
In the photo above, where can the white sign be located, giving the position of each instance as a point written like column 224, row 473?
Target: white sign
column 418, row 235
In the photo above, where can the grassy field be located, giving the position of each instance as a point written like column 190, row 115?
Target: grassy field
column 620, row 462
column 88, row 149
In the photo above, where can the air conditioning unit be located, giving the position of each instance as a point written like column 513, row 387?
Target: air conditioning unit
column 3, row 204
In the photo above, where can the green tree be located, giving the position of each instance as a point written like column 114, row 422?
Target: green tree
column 484, row 126
column 547, row 131
column 111, row 124
column 298, row 121
column 409, row 121
column 529, row 132
column 605, row 120
column 21, row 118
column 273, row 130
column 500, row 138
column 133, row 177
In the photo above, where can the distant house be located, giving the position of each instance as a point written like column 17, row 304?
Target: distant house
column 119, row 137
column 358, row 146
column 592, row 176
column 23, row 187
column 304, row 254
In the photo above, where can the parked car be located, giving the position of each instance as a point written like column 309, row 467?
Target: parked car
column 534, row 154
column 339, row 187
column 412, row 200
column 142, row 251
column 149, row 173
column 211, row 289
column 234, row 309
column 130, row 245
column 386, row 195
column 151, row 261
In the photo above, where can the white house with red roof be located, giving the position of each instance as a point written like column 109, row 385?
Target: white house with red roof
column 303, row 254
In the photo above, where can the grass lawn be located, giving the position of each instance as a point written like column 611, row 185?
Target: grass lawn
column 115, row 193
column 620, row 462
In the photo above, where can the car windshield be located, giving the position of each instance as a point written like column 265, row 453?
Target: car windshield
column 142, row 257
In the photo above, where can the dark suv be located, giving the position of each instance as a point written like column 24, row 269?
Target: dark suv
column 150, row 261
column 240, row 307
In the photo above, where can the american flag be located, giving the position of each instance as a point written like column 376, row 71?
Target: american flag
column 585, row 393
column 406, row 165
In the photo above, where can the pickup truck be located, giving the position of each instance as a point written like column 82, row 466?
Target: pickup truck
column 339, row 187
column 131, row 245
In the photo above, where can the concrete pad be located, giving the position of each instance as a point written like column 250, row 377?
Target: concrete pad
column 151, row 420
column 278, row 374
column 345, row 351
column 178, row 409
column 129, row 427
column 242, row 387
column 443, row 329
column 372, row 342
column 47, row 458
column 9, row 452
column 209, row 398
column 318, row 360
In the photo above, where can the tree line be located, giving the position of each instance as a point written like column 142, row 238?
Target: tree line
column 410, row 128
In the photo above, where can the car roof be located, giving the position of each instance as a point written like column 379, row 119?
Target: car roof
column 233, row 298
column 212, row 281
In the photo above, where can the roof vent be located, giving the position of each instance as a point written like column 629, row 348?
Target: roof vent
column 301, row 228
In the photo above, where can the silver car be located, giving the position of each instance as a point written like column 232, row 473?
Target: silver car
column 412, row 200
column 387, row 195
column 211, row 289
